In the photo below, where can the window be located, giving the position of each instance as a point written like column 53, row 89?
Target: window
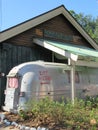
column 13, row 82
column 77, row 79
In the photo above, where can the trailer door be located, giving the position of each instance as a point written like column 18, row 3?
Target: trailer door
column 12, row 93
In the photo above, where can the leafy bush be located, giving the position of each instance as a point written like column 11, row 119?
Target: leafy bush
column 83, row 114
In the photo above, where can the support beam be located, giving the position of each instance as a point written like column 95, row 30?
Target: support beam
column 73, row 83
column 72, row 64
column 55, row 49
column 83, row 63
column 87, row 63
column 52, row 56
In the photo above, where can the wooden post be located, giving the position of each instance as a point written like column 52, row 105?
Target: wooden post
column 52, row 56
column 72, row 74
column 72, row 63
column 73, row 83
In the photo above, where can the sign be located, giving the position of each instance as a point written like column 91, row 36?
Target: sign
column 44, row 77
column 56, row 35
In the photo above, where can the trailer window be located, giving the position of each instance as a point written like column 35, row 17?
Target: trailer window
column 77, row 78
column 13, row 82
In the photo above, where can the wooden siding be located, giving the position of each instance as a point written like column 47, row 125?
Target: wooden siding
column 58, row 24
column 21, row 48
column 12, row 55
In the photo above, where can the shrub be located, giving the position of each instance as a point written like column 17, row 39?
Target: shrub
column 79, row 115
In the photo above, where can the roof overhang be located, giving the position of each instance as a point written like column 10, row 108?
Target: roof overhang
column 68, row 50
column 55, row 49
column 30, row 23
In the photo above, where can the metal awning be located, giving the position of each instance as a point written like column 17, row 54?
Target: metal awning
column 67, row 50
column 70, row 51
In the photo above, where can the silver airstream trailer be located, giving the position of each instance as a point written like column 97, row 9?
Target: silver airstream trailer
column 39, row 79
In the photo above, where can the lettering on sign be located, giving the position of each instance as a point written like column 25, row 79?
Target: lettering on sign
column 56, row 35
column 44, row 77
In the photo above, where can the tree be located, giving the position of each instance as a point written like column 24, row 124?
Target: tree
column 96, row 31
column 87, row 22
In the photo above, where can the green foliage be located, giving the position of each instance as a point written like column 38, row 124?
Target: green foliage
column 96, row 31
column 88, row 23
column 47, row 107
column 75, row 116
column 23, row 114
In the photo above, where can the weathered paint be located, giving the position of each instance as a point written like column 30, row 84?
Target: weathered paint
column 39, row 79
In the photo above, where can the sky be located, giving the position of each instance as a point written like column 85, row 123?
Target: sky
column 13, row 12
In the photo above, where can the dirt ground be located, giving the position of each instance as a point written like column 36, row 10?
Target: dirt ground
column 8, row 128
column 30, row 122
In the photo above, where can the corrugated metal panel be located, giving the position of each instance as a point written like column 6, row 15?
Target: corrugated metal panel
column 75, row 49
